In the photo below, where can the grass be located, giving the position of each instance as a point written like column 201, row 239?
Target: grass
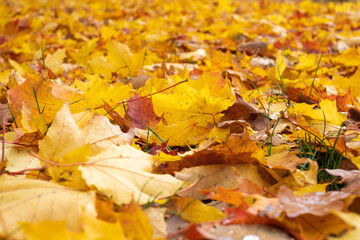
column 312, row 84
column 311, row 146
column 43, row 56
column 168, row 148
column 317, row 149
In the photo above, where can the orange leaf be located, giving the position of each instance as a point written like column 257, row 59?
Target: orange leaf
column 135, row 223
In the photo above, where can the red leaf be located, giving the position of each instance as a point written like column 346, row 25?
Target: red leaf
column 141, row 113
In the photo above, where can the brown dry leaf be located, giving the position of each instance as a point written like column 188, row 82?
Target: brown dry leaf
column 236, row 149
column 296, row 179
column 316, row 203
column 231, row 196
column 212, row 176
column 284, row 160
column 5, row 115
column 241, row 110
column 124, row 124
column 31, row 138
column 18, row 157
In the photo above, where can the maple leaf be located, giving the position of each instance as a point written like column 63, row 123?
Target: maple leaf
column 5, row 113
column 284, row 160
column 119, row 60
column 53, row 61
column 58, row 148
column 221, row 81
column 141, row 113
column 135, row 223
column 99, row 90
column 45, row 97
column 236, row 149
column 124, row 173
column 209, row 176
column 317, row 204
column 351, row 219
column 195, row 211
column 30, row 200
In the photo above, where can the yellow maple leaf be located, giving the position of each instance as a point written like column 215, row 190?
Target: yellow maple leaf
column 124, row 173
column 195, row 211
column 119, row 60
column 350, row 218
column 93, row 229
column 98, row 90
column 328, row 112
column 53, row 61
column 280, row 65
column 181, row 133
column 30, row 200
column 135, row 223
column 307, row 62
column 195, row 101
column 343, row 84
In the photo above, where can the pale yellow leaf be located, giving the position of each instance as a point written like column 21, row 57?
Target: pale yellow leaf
column 62, row 137
column 29, row 200
column 124, row 173
column 53, row 61
column 17, row 67
column 156, row 218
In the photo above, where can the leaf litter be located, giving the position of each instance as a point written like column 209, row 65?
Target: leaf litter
column 228, row 119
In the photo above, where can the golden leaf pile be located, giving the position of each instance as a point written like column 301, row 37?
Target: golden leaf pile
column 179, row 119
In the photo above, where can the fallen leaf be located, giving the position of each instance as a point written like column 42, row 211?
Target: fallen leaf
column 212, row 176
column 124, row 173
column 316, row 203
column 284, row 160
column 5, row 113
column 236, row 149
column 53, row 61
column 135, row 223
column 141, row 113
column 195, row 211
column 156, row 218
column 351, row 219
column 34, row 201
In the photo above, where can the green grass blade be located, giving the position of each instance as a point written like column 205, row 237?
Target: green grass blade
column 312, row 84
column 37, row 103
column 12, row 116
column 77, row 101
column 43, row 56
column 168, row 148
